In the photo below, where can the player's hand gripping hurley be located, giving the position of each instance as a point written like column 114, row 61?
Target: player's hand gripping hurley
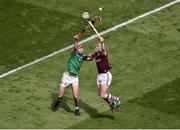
column 86, row 16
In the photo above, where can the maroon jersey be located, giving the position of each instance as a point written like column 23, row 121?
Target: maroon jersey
column 102, row 62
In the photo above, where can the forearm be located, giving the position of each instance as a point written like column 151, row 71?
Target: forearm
column 103, row 48
column 89, row 57
column 79, row 34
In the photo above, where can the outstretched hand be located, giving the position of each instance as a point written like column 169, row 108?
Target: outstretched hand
column 101, row 39
column 77, row 36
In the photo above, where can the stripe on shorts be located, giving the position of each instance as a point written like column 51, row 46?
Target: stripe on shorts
column 107, row 79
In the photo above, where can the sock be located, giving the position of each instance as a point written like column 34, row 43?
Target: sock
column 77, row 108
column 76, row 102
column 109, row 96
column 116, row 98
column 109, row 99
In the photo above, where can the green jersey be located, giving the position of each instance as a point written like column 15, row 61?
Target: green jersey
column 74, row 63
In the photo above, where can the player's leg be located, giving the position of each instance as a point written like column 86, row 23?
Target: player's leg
column 64, row 83
column 118, row 101
column 98, row 89
column 110, row 99
column 104, row 94
column 114, row 98
column 102, row 86
column 60, row 95
column 75, row 92
column 103, row 81
column 102, row 91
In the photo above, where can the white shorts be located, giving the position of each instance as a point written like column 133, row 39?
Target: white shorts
column 68, row 79
column 104, row 79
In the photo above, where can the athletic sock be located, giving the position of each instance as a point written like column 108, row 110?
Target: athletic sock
column 116, row 98
column 76, row 102
column 109, row 96
column 77, row 108
column 108, row 99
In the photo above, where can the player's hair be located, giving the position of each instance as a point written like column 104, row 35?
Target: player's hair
column 77, row 46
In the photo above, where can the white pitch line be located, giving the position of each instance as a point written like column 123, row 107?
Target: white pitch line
column 90, row 38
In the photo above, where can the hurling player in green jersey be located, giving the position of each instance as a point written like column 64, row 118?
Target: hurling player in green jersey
column 70, row 77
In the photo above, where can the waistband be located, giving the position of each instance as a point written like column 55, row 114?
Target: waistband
column 70, row 74
column 103, row 72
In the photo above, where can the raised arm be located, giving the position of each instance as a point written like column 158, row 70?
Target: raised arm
column 94, row 20
column 102, row 44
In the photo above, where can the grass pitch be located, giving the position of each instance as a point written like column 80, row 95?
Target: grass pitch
column 31, row 29
column 145, row 57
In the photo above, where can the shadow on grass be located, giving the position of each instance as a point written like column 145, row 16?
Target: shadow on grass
column 62, row 105
column 165, row 99
column 92, row 112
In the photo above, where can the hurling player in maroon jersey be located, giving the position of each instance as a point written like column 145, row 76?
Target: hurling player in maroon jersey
column 104, row 77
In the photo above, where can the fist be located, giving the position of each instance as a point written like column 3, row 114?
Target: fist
column 76, row 37
column 98, row 18
column 101, row 39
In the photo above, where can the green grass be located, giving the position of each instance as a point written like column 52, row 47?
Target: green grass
column 33, row 28
column 145, row 57
column 147, row 74
column 31, row 32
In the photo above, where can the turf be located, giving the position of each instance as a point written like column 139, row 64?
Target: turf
column 33, row 28
column 147, row 74
column 145, row 57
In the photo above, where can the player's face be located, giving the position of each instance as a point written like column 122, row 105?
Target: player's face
column 98, row 48
column 80, row 50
